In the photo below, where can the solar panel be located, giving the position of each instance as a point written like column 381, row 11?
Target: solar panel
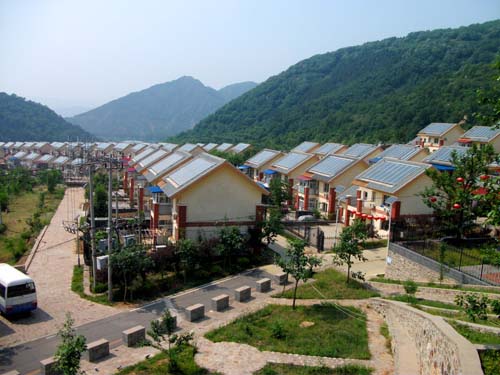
column 77, row 161
column 167, row 163
column 46, row 157
column 331, row 165
column 359, row 150
column 402, row 152
column 485, row 132
column 389, row 172
column 32, row 156
column 224, row 147
column 210, row 147
column 151, row 158
column 262, row 157
column 188, row 147
column 191, row 170
column 328, row 148
column 240, row 147
column 61, row 160
column 305, row 146
column 436, row 128
column 291, row 160
column 444, row 154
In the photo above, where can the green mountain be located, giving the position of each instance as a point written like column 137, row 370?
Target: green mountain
column 379, row 91
column 157, row 112
column 24, row 120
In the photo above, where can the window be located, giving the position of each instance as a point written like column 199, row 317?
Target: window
column 385, row 199
column 326, row 188
column 2, row 291
column 365, row 195
column 20, row 290
column 436, row 140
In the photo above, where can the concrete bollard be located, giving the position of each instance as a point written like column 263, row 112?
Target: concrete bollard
column 48, row 367
column 97, row 350
column 133, row 335
column 242, row 294
column 195, row 312
column 221, row 302
column 263, row 285
column 282, row 278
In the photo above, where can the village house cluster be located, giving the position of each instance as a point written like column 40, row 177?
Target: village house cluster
column 187, row 192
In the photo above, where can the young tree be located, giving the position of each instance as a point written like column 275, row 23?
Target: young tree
column 165, row 326
column 453, row 196
column 350, row 247
column 272, row 226
column 188, row 255
column 70, row 350
column 411, row 288
column 279, row 192
column 230, row 242
column 297, row 264
column 129, row 263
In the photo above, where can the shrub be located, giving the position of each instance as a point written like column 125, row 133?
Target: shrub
column 495, row 307
column 278, row 330
column 216, row 270
column 3, row 228
column 475, row 307
column 411, row 287
column 243, row 262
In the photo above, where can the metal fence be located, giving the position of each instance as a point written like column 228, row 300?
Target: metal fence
column 471, row 261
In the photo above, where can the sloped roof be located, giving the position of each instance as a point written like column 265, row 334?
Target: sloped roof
column 18, row 144
column 151, row 159
column 122, row 146
column 330, row 167
column 20, row 154
column 224, row 147
column 165, row 165
column 359, row 150
column 58, row 145
column 481, row 133
column 436, row 128
column 290, row 161
column 400, row 151
column 239, row 148
column 187, row 147
column 168, row 146
column 305, row 146
column 443, row 155
column 210, row 146
column 390, row 175
column 328, row 148
column 101, row 146
column 32, row 156
column 262, row 157
column 29, row 144
column 138, row 147
column 46, row 158
column 77, row 162
column 61, row 160
column 141, row 155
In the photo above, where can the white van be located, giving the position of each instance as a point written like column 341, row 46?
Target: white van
column 17, row 291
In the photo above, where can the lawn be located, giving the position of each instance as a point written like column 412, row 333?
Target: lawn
column 492, row 322
column 320, row 330
column 282, row 369
column 439, row 286
column 331, row 285
column 21, row 208
column 158, row 365
column 490, row 360
column 425, row 302
column 77, row 287
column 475, row 336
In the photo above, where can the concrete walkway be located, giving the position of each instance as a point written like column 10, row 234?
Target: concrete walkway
column 52, row 270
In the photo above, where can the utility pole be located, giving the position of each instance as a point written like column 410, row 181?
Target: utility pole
column 92, row 223
column 110, row 231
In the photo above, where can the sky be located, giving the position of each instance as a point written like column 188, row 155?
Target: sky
column 75, row 55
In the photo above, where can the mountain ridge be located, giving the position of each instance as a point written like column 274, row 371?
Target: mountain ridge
column 158, row 111
column 380, row 91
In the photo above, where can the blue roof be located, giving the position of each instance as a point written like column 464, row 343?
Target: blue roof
column 270, row 171
column 155, row 189
column 242, row 167
column 440, row 167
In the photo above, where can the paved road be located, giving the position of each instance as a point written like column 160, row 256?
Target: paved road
column 26, row 358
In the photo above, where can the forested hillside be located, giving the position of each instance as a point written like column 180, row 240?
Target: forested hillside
column 158, row 111
column 380, row 91
column 24, row 120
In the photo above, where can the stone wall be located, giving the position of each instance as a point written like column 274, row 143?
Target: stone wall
column 439, row 348
column 407, row 264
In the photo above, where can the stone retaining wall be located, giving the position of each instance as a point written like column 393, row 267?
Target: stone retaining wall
column 407, row 264
column 439, row 348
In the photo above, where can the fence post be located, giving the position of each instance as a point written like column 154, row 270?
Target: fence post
column 482, row 264
column 460, row 261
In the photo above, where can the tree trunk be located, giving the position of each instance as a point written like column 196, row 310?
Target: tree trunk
column 295, row 293
column 348, row 272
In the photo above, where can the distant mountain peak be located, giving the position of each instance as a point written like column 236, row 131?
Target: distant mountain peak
column 159, row 111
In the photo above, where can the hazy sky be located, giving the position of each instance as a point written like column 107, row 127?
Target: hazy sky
column 84, row 53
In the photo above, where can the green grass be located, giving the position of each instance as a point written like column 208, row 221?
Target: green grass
column 282, row 369
column 384, row 331
column 375, row 244
column 475, row 336
column 17, row 238
column 490, row 360
column 158, row 365
column 425, row 302
column 77, row 287
column 439, row 286
column 332, row 285
column 335, row 333
column 461, row 315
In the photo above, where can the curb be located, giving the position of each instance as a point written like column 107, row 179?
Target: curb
column 34, row 249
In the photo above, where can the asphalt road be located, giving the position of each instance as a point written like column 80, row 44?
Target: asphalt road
column 26, row 358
